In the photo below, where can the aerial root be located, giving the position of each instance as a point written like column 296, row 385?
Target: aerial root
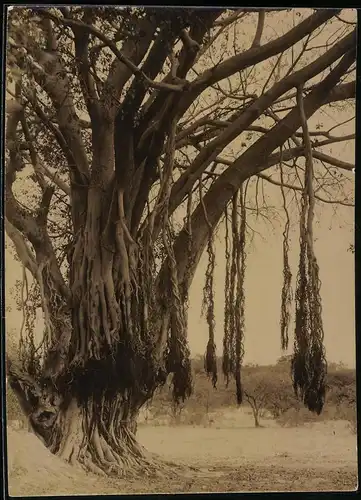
column 122, row 466
column 89, row 466
column 125, row 457
column 110, row 451
column 103, row 460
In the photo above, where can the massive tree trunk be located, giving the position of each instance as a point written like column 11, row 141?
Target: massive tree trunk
column 83, row 398
column 97, row 432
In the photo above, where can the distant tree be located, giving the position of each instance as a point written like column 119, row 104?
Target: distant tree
column 342, row 387
column 203, row 397
column 285, row 360
column 176, row 412
column 256, row 403
column 269, row 388
column 198, row 364
column 256, row 391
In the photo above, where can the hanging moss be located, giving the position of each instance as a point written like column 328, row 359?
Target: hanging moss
column 30, row 355
column 286, row 295
column 309, row 364
column 226, row 361
column 233, row 342
column 210, row 357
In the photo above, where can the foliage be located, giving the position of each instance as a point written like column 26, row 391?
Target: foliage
column 267, row 389
column 138, row 132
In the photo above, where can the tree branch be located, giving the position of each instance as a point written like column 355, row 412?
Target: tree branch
column 112, row 46
column 253, row 161
column 31, row 99
column 134, row 49
column 33, row 228
column 162, row 111
column 253, row 56
column 251, row 113
column 23, row 251
column 333, row 161
column 87, row 84
column 57, row 86
column 44, row 208
column 226, row 21
column 298, row 188
column 260, row 26
column 53, row 177
column 39, row 166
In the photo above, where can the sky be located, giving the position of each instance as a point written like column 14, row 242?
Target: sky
column 333, row 234
column 263, row 286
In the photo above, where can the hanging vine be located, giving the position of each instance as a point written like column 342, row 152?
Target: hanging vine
column 227, row 337
column 287, row 295
column 308, row 364
column 210, row 360
column 233, row 342
column 178, row 353
column 190, row 257
column 240, row 298
column 30, row 355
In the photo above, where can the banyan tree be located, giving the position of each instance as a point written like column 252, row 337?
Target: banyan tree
column 132, row 134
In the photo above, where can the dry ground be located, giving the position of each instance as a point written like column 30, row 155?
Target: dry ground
column 234, row 457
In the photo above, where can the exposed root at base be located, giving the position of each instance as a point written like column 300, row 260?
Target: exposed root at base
column 110, row 448
column 121, row 458
column 173, row 466
column 129, row 467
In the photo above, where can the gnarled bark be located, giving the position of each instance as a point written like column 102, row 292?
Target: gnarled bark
column 97, row 433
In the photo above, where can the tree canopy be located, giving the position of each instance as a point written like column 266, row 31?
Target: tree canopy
column 132, row 134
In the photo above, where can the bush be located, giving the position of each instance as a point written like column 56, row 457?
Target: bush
column 290, row 418
column 295, row 417
column 271, row 388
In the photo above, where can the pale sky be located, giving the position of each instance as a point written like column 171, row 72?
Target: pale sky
column 263, row 291
column 333, row 233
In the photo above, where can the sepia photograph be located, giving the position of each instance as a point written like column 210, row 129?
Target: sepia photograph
column 179, row 249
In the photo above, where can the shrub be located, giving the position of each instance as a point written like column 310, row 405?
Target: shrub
column 271, row 388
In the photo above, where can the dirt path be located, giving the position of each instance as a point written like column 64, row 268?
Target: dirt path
column 321, row 458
